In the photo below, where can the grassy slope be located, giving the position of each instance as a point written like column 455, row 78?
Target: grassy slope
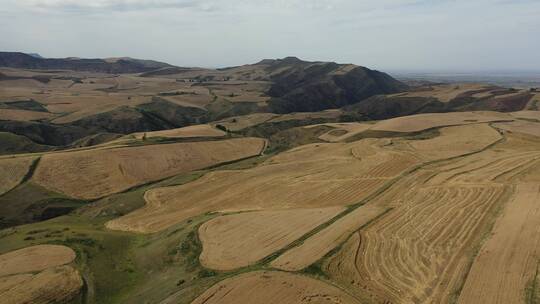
column 121, row 267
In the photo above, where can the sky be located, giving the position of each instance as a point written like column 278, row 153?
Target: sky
column 390, row 35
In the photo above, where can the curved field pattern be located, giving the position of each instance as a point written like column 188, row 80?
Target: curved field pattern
column 12, row 172
column 324, row 241
column 239, row 240
column 38, row 274
column 269, row 287
column 415, row 254
column 95, row 173
column 311, row 176
column 456, row 141
column 419, row 122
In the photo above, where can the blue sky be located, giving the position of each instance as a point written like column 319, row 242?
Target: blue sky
column 456, row 35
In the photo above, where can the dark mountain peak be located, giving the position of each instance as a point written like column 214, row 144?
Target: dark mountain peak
column 35, row 55
column 292, row 60
column 286, row 60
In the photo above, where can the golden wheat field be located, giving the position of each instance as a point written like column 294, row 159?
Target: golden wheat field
column 239, row 240
column 98, row 172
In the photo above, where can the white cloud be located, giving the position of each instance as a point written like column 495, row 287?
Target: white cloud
column 385, row 34
column 109, row 4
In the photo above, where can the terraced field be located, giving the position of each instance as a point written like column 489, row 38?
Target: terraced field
column 312, row 176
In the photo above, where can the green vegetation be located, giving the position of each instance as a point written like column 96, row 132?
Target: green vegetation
column 28, row 105
column 30, row 202
column 13, row 143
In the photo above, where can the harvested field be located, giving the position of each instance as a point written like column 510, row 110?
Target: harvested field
column 507, row 265
column 417, row 253
column 455, row 141
column 35, row 258
column 531, row 115
column 525, row 127
column 270, row 287
column 234, row 241
column 486, row 167
column 95, row 173
column 342, row 131
column 419, row 122
column 185, row 132
column 12, row 171
column 311, row 176
column 323, row 242
column 38, row 274
column 447, row 92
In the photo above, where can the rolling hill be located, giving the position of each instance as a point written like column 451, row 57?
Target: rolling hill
column 111, row 65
